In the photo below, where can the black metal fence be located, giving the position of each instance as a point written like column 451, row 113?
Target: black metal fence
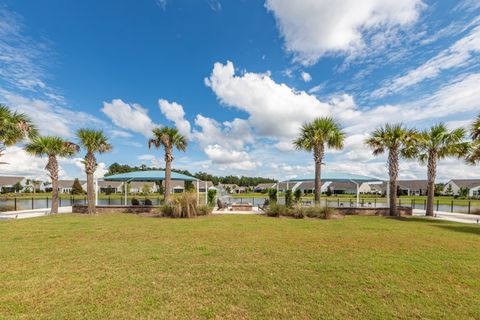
column 458, row 206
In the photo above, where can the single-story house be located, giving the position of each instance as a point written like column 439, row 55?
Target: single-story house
column 405, row 187
column 138, row 186
column 230, row 187
column 8, row 183
column 336, row 187
column 453, row 187
column 110, row 186
column 201, row 186
column 240, row 190
column 264, row 187
column 66, row 186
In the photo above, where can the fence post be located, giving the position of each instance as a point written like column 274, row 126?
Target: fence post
column 109, row 200
column 47, row 201
column 399, row 202
column 451, row 207
column 438, row 204
column 424, row 204
column 469, row 203
column 33, row 206
column 84, row 200
column 15, row 203
column 60, row 201
column 338, row 202
column 375, row 202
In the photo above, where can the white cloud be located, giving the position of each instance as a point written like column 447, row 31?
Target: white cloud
column 150, row 159
column 162, row 4
column 230, row 159
column 275, row 110
column 174, row 112
column 119, row 133
column 306, row 76
column 129, row 116
column 313, row 28
column 234, row 134
column 50, row 118
column 461, row 53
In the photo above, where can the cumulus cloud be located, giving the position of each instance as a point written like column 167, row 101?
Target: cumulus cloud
column 306, row 76
column 127, row 116
column 230, row 159
column 313, row 28
column 275, row 110
column 234, row 134
column 174, row 112
column 461, row 53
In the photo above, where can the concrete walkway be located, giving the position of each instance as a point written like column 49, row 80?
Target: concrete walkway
column 255, row 210
column 24, row 214
column 449, row 216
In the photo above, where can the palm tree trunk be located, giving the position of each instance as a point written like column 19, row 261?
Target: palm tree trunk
column 318, row 156
column 90, row 193
column 168, row 173
column 393, row 173
column 52, row 168
column 432, row 169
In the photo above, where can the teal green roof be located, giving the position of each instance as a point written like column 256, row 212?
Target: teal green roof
column 338, row 176
column 156, row 175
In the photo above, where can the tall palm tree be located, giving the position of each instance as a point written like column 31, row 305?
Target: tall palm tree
column 93, row 141
column 52, row 147
column 398, row 141
column 14, row 127
column 435, row 144
column 474, row 155
column 315, row 136
column 168, row 138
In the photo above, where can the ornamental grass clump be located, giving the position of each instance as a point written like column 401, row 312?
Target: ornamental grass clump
column 184, row 206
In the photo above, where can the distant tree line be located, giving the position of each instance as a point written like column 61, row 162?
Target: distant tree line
column 116, row 168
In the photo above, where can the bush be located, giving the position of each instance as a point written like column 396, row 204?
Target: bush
column 135, row 202
column 211, row 197
column 148, row 202
column 299, row 212
column 298, row 195
column 181, row 206
column 272, row 195
column 204, row 210
column 288, row 198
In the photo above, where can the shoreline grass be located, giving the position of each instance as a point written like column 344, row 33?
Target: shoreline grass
column 238, row 267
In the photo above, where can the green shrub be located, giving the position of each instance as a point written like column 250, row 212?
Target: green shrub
column 148, row 202
column 319, row 212
column 272, row 195
column 298, row 195
column 211, row 197
column 135, row 202
column 204, row 210
column 288, row 198
column 276, row 210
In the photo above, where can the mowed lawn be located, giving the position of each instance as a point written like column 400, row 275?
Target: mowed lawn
column 238, row 267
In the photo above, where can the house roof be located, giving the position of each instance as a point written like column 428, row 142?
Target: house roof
column 68, row 183
column 176, row 184
column 338, row 176
column 339, row 185
column 10, row 180
column 466, row 183
column 202, row 184
column 403, row 184
column 265, row 185
column 153, row 175
column 111, row 184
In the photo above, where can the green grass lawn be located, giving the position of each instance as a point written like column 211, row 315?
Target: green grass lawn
column 238, row 267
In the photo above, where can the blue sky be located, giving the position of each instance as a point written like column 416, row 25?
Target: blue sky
column 239, row 77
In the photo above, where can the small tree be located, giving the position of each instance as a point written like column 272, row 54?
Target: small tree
column 329, row 191
column 463, row 192
column 189, row 186
column 17, row 187
column 298, row 195
column 449, row 191
column 272, row 195
column 211, row 197
column 77, row 187
column 288, row 198
column 145, row 189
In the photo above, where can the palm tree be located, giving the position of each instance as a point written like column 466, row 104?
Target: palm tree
column 168, row 138
column 316, row 136
column 52, row 147
column 14, row 127
column 93, row 141
column 399, row 141
column 474, row 155
column 435, row 144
